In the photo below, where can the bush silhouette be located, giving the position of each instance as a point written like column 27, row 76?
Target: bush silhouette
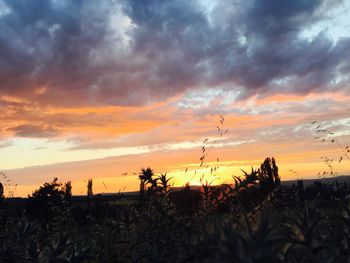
column 48, row 198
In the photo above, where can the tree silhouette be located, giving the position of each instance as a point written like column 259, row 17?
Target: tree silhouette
column 90, row 194
column 42, row 203
column 89, row 189
column 68, row 191
column 268, row 174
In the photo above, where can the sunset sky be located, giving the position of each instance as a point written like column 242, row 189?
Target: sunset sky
column 97, row 89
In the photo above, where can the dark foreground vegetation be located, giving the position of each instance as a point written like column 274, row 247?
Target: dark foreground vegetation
column 254, row 219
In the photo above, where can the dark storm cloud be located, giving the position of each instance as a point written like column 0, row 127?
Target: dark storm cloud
column 273, row 57
column 47, row 43
column 72, row 49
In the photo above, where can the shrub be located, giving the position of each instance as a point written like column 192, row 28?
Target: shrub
column 51, row 196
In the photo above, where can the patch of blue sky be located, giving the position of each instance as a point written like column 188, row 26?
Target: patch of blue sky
column 335, row 25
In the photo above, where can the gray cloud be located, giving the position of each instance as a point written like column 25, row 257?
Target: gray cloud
column 135, row 52
column 34, row 131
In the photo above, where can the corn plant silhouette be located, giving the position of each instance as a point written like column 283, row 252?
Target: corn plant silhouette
column 146, row 180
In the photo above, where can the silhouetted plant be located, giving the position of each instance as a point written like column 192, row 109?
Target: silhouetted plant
column 300, row 189
column 90, row 195
column 148, row 184
column 164, row 186
column 44, row 201
column 268, row 175
column 68, row 191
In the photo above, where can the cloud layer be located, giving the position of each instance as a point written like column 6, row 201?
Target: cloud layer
column 135, row 52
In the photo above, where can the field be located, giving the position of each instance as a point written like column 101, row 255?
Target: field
column 254, row 219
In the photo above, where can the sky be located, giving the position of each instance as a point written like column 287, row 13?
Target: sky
column 99, row 89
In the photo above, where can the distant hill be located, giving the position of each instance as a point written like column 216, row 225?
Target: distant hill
column 339, row 179
column 328, row 180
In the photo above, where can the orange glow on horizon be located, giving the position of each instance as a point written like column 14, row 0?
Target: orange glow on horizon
column 194, row 175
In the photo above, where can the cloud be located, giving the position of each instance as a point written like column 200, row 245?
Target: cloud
column 136, row 52
column 253, row 47
column 5, row 143
column 34, row 131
